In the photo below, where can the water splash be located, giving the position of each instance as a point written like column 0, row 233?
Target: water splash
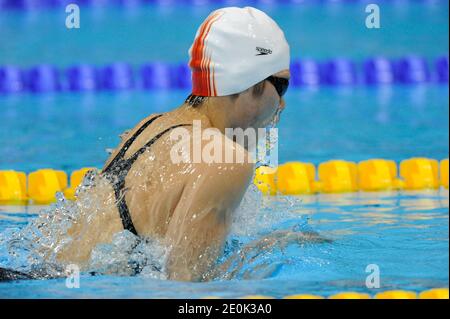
column 129, row 255
column 36, row 248
column 254, row 240
column 263, row 229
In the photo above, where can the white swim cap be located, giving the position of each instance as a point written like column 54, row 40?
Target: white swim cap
column 234, row 49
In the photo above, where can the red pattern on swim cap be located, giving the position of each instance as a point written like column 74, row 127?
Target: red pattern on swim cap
column 200, row 63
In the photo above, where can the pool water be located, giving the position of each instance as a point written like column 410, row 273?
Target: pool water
column 149, row 33
column 404, row 233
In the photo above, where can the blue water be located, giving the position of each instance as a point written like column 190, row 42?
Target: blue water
column 148, row 33
column 69, row 131
column 405, row 234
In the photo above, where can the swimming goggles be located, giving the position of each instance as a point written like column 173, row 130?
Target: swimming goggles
column 280, row 84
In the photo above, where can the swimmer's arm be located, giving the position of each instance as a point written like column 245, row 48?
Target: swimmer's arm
column 202, row 219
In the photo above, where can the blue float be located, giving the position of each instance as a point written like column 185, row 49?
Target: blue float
column 63, row 3
column 305, row 72
column 117, row 76
column 182, row 76
column 165, row 76
column 412, row 70
column 199, row 2
column 130, row 3
column 338, row 72
column 442, row 66
column 32, row 4
column 156, row 76
column 378, row 71
column 82, row 78
column 17, row 4
column 43, row 78
column 11, row 80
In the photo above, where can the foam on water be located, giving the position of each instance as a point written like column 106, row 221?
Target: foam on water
column 128, row 255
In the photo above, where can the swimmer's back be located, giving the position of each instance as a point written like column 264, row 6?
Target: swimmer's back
column 163, row 198
column 152, row 190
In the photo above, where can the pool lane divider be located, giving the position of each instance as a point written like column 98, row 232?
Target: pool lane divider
column 121, row 76
column 29, row 5
column 435, row 293
column 339, row 176
column 32, row 5
column 291, row 178
column 38, row 187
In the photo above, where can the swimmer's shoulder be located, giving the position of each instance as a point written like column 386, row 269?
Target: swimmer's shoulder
column 126, row 135
column 233, row 165
column 129, row 133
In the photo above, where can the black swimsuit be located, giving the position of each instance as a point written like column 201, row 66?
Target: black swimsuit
column 118, row 168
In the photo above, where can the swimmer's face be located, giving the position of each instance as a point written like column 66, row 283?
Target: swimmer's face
column 261, row 111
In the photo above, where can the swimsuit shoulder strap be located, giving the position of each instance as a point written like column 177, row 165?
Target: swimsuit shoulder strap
column 134, row 157
column 128, row 143
column 124, row 165
column 122, row 206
